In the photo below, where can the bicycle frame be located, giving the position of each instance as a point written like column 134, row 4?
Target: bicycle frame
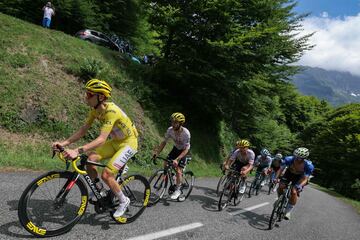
column 80, row 170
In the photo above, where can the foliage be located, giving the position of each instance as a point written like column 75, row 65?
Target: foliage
column 91, row 68
column 230, row 57
column 335, row 149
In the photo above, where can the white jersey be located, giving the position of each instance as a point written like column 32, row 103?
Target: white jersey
column 48, row 12
column 181, row 139
column 248, row 159
column 263, row 162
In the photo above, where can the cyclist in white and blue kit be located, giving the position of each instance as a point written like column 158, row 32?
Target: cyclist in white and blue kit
column 298, row 172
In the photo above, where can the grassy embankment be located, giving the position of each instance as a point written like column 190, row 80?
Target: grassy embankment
column 42, row 98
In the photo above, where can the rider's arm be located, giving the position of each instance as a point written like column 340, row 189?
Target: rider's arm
column 96, row 142
column 303, row 181
column 160, row 148
column 77, row 135
column 182, row 154
column 248, row 168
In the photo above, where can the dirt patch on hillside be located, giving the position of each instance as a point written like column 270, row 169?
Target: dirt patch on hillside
column 15, row 139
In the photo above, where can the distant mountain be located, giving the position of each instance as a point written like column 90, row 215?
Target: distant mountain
column 336, row 87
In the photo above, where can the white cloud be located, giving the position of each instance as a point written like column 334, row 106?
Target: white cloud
column 337, row 43
column 324, row 14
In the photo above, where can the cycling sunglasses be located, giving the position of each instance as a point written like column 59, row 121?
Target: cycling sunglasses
column 90, row 94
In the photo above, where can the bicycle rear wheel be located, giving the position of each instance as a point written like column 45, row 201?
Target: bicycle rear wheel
column 158, row 184
column 52, row 204
column 137, row 189
column 187, row 183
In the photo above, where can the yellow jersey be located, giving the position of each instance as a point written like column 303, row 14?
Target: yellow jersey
column 115, row 121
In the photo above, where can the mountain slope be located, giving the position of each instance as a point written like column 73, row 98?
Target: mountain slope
column 336, row 87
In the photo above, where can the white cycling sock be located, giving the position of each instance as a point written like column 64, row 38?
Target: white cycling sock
column 121, row 196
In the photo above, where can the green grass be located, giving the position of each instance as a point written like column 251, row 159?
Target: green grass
column 352, row 202
column 42, row 100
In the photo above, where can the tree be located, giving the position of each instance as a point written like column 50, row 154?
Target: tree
column 227, row 56
column 335, row 148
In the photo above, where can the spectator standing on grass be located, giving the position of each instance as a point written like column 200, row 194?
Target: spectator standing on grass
column 48, row 13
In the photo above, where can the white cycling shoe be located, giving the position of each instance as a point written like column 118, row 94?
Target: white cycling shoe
column 122, row 208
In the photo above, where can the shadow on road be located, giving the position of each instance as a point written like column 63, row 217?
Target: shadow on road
column 207, row 203
column 7, row 228
column 255, row 220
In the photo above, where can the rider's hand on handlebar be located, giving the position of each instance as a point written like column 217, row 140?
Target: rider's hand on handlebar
column 55, row 146
column 71, row 154
column 175, row 163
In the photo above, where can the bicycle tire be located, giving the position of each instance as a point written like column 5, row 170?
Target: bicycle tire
column 271, row 185
column 274, row 214
column 139, row 197
column 225, row 196
column 39, row 225
column 252, row 188
column 158, row 185
column 220, row 183
column 188, row 183
column 238, row 197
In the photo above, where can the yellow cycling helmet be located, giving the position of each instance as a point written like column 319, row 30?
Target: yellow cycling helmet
column 179, row 117
column 99, row 86
column 244, row 143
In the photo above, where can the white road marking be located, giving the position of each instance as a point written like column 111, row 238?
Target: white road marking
column 167, row 232
column 249, row 208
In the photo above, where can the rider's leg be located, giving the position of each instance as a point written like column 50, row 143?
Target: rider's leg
column 91, row 169
column 178, row 176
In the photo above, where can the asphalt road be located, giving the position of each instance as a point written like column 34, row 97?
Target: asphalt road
column 317, row 216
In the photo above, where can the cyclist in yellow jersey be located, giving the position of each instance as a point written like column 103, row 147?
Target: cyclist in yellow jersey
column 120, row 148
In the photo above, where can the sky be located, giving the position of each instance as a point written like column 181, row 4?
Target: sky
column 336, row 24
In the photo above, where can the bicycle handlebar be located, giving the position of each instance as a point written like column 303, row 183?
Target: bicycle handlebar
column 169, row 161
column 60, row 150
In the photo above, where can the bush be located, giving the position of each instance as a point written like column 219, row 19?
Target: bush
column 90, row 68
column 356, row 188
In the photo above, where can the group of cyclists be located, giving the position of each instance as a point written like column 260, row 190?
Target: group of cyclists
column 123, row 145
column 296, row 169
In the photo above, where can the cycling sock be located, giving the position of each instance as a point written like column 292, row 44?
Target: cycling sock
column 121, row 196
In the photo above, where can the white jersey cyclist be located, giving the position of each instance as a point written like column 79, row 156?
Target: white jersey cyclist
column 181, row 139
column 248, row 159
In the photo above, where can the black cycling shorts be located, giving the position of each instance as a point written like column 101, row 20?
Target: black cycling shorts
column 237, row 165
column 288, row 176
column 174, row 153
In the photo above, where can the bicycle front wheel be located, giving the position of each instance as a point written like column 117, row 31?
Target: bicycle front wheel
column 276, row 212
column 187, row 183
column 225, row 196
column 52, row 204
column 220, row 184
column 158, row 184
column 137, row 189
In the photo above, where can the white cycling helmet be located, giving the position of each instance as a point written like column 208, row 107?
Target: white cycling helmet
column 265, row 152
column 278, row 156
column 301, row 152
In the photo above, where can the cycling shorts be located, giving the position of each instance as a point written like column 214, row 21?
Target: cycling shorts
column 288, row 176
column 174, row 153
column 237, row 165
column 119, row 152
